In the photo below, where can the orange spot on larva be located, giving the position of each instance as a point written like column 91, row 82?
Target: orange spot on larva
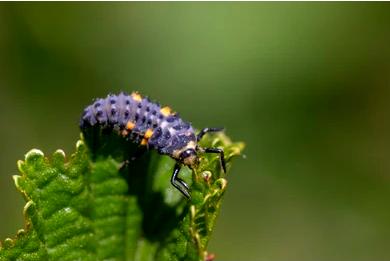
column 144, row 142
column 136, row 96
column 148, row 133
column 130, row 125
column 166, row 111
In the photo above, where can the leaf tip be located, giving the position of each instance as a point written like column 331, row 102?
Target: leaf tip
column 237, row 149
column 206, row 175
column 28, row 208
column 21, row 232
column 20, row 164
column 59, row 153
column 80, row 144
column 222, row 183
column 58, row 158
column 16, row 180
column 8, row 243
column 33, row 155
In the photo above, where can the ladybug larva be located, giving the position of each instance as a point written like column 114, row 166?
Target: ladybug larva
column 152, row 127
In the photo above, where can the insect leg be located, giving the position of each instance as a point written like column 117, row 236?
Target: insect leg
column 174, row 178
column 221, row 155
column 206, row 130
column 182, row 183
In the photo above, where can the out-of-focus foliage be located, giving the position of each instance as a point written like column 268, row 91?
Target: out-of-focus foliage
column 92, row 209
column 305, row 85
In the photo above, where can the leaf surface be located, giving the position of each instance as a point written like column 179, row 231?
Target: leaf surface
column 94, row 207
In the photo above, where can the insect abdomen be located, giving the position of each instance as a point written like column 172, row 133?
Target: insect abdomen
column 142, row 121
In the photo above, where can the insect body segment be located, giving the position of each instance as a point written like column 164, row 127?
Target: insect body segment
column 147, row 124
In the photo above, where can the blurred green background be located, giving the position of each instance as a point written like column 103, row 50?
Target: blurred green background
column 305, row 85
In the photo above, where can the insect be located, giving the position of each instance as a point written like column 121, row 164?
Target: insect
column 151, row 126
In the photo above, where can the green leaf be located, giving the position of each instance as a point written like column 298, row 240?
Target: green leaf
column 93, row 207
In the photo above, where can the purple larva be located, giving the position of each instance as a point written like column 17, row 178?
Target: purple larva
column 148, row 124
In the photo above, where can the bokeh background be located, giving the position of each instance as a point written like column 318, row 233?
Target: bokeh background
column 305, row 85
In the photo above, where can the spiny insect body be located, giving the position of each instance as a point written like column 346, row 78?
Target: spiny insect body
column 153, row 127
